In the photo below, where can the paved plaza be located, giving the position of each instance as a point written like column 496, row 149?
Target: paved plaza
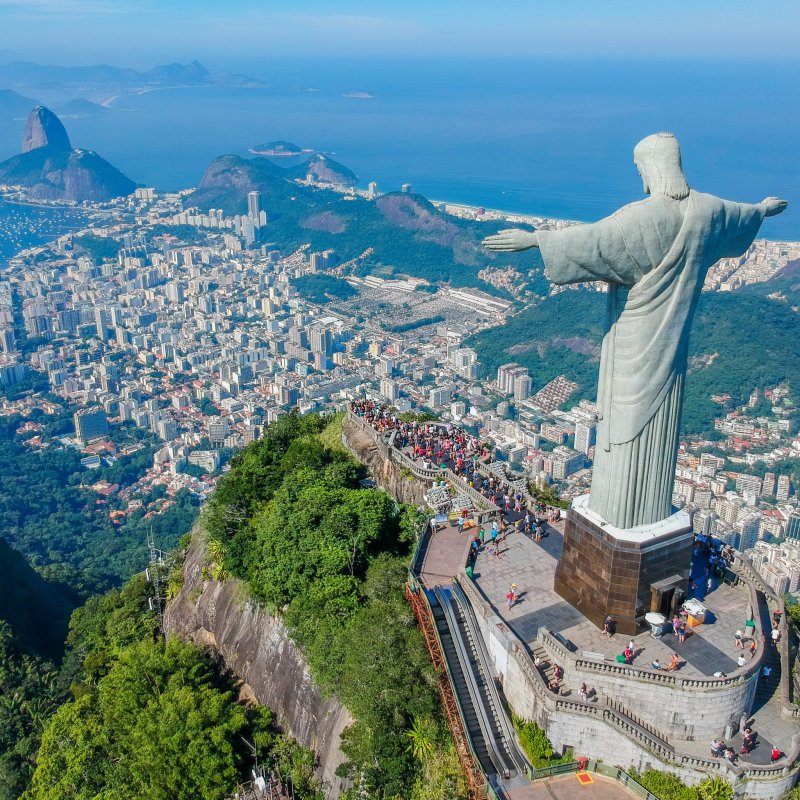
column 570, row 787
column 531, row 565
column 709, row 648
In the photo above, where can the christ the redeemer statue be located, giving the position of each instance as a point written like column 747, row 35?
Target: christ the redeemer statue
column 654, row 256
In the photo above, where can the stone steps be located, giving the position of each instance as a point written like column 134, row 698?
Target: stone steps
column 547, row 669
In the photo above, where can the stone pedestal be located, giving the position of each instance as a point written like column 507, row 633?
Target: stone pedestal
column 625, row 573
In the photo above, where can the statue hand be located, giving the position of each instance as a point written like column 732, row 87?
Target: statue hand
column 775, row 205
column 511, row 240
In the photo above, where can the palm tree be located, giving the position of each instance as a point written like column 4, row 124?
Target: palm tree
column 421, row 738
column 715, row 789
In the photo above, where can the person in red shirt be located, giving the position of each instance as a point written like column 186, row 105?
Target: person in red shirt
column 774, row 755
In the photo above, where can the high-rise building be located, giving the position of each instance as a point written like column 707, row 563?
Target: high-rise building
column 90, row 423
column 217, row 431
column 167, row 429
column 793, row 526
column 372, row 190
column 389, row 389
column 254, row 208
column 748, row 484
column 465, row 362
column 784, row 488
column 768, row 485
column 8, row 340
column 438, row 397
column 585, row 437
column 321, row 340
column 458, row 409
column 522, row 387
column 507, row 374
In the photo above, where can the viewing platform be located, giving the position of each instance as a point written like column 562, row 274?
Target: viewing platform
column 637, row 713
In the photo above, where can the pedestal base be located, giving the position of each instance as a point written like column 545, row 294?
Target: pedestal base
column 623, row 573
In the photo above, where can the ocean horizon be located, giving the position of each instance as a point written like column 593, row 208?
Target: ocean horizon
column 545, row 138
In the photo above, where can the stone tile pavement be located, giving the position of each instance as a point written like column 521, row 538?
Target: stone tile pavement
column 445, row 555
column 568, row 787
column 532, row 565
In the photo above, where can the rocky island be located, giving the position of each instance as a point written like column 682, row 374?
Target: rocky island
column 279, row 149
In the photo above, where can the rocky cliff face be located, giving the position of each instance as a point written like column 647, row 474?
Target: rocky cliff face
column 44, row 129
column 385, row 473
column 255, row 645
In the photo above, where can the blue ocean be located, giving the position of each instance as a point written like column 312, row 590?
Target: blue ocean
column 553, row 138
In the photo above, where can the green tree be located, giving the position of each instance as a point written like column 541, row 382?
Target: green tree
column 158, row 726
column 715, row 788
column 420, row 738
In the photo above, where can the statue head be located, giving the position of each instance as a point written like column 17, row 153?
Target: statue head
column 658, row 159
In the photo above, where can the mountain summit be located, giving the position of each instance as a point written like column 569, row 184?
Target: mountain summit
column 50, row 169
column 44, row 129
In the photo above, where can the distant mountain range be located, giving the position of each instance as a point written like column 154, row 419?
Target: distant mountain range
column 85, row 80
column 50, row 169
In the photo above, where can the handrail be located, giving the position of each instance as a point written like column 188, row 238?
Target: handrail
column 788, row 707
column 520, row 761
column 423, row 473
column 463, row 659
column 464, row 737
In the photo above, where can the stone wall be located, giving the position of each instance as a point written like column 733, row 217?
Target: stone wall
column 363, row 443
column 255, row 645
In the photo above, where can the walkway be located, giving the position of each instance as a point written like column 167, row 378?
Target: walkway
column 445, row 555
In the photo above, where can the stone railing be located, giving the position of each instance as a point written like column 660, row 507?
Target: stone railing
column 743, row 567
column 620, row 708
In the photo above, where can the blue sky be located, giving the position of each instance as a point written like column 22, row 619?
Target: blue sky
column 140, row 33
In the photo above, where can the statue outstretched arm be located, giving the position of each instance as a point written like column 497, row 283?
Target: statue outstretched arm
column 511, row 240
column 775, row 205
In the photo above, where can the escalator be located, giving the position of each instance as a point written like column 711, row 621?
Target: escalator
column 487, row 723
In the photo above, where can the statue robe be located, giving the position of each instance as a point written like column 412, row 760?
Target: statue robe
column 654, row 254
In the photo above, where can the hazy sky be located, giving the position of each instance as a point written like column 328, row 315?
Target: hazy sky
column 141, row 33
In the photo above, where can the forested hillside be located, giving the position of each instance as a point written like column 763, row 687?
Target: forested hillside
column 291, row 519
column 739, row 340
column 143, row 718
column 406, row 233
column 55, row 522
